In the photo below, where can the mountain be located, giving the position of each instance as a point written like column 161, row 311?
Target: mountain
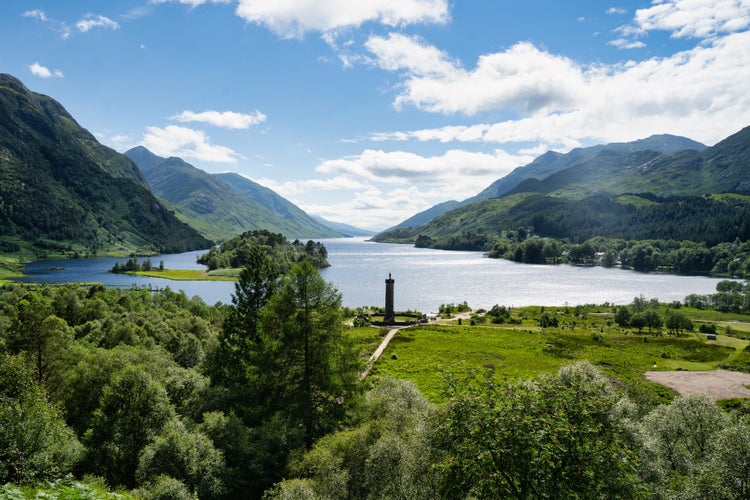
column 61, row 190
column 723, row 168
column 345, row 229
column 552, row 162
column 305, row 226
column 699, row 194
column 223, row 205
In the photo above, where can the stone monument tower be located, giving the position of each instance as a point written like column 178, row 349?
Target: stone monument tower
column 389, row 316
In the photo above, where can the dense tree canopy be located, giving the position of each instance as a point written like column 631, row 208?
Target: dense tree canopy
column 167, row 396
column 236, row 252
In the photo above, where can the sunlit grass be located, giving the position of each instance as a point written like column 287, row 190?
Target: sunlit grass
column 427, row 354
column 184, row 275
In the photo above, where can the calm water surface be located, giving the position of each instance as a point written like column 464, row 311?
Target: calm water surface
column 424, row 278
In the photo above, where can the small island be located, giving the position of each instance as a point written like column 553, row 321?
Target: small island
column 225, row 261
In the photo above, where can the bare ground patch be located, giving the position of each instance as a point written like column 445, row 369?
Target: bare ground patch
column 716, row 384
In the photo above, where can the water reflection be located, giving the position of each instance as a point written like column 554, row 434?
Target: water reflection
column 424, row 278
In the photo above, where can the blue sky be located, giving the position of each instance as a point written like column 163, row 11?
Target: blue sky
column 367, row 112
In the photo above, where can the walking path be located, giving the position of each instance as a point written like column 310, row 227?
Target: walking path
column 370, row 362
column 391, row 333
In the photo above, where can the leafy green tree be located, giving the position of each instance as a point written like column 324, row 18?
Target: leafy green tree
column 653, row 320
column 132, row 411
column 677, row 322
column 622, row 316
column 638, row 321
column 188, row 456
column 35, row 443
column 237, row 361
column 552, row 251
column 255, row 457
column 314, row 364
column 39, row 333
column 553, row 438
column 165, row 488
column 678, row 440
column 547, row 320
column 642, row 257
column 386, row 455
column 726, row 473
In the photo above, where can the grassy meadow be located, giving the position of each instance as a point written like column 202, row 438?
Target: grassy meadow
column 190, row 274
column 428, row 354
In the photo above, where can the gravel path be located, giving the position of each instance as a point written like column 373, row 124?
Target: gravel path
column 378, row 352
column 717, row 384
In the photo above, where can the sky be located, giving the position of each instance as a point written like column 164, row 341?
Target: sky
column 369, row 111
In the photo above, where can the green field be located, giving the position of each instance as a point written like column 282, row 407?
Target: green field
column 190, row 275
column 427, row 354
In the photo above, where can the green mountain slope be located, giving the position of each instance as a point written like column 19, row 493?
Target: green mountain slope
column 551, row 162
column 220, row 209
column 304, row 226
column 723, row 168
column 61, row 190
column 614, row 193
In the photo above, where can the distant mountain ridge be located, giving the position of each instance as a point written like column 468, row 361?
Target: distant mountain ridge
column 550, row 163
column 61, row 190
column 345, row 229
column 612, row 190
column 221, row 206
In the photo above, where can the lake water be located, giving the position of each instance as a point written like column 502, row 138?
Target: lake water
column 424, row 279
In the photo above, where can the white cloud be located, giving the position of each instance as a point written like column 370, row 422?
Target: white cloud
column 443, row 134
column 294, row 18
column 90, row 21
column 700, row 93
column 191, row 3
column 226, row 119
column 183, row 142
column 44, row 72
column 456, row 171
column 293, row 188
column 58, row 26
column 119, row 142
column 624, row 43
column 616, row 10
column 694, row 18
column 85, row 24
column 36, row 14
column 377, row 189
column 522, row 78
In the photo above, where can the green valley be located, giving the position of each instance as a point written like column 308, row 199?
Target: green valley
column 221, row 206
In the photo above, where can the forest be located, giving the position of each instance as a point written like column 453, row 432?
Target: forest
column 730, row 259
column 152, row 394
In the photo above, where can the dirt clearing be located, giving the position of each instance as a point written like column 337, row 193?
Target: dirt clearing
column 717, row 384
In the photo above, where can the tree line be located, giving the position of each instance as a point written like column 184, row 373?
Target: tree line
column 680, row 257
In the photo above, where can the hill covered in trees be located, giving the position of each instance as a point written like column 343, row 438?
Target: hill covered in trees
column 221, row 206
column 236, row 252
column 61, row 191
